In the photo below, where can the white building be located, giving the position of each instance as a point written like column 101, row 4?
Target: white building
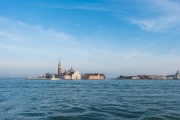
column 135, row 78
column 177, row 75
column 162, row 77
column 76, row 75
column 71, row 74
column 169, row 77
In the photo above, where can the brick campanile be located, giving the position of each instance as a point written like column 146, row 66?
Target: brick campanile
column 59, row 68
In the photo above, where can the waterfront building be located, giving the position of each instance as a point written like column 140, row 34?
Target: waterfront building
column 71, row 74
column 48, row 75
column 162, row 77
column 54, row 76
column 76, row 75
column 135, row 78
column 93, row 76
column 169, row 77
column 127, row 77
column 177, row 75
column 61, row 76
column 96, row 76
column 84, row 76
column 152, row 77
column 143, row 76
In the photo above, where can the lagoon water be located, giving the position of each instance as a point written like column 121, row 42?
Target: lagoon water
column 89, row 100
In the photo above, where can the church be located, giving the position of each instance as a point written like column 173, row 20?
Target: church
column 70, row 74
column 175, row 76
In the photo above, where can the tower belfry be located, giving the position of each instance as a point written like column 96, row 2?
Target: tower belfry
column 59, row 68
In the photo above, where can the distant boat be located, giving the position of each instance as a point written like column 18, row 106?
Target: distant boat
column 55, row 79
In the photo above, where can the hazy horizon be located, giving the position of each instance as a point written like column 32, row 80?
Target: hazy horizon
column 114, row 37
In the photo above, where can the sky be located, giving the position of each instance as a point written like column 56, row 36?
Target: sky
column 114, row 37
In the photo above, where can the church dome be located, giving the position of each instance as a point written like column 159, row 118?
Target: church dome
column 71, row 70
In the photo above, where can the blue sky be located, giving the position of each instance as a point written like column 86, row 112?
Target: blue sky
column 114, row 37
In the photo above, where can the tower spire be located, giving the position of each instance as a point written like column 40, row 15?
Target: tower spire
column 60, row 61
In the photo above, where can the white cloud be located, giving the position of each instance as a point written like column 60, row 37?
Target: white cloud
column 165, row 16
column 157, row 15
column 18, row 33
column 161, row 24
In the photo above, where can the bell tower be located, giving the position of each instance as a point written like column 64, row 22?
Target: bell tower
column 59, row 68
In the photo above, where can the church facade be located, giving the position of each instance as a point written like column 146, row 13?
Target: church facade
column 177, row 75
column 70, row 74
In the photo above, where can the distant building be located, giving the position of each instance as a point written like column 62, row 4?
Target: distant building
column 59, row 76
column 48, row 75
column 71, row 74
column 162, row 77
column 169, row 77
column 93, row 76
column 175, row 76
column 127, row 77
column 143, row 76
column 153, row 77
column 84, row 76
column 135, row 77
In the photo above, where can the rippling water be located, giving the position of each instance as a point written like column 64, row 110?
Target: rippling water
column 86, row 99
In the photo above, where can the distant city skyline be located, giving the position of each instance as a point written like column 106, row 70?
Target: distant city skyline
column 117, row 37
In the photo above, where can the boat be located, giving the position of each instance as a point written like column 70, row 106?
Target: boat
column 55, row 79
